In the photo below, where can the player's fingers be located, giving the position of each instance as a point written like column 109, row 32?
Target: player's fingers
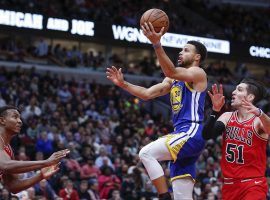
column 60, row 155
column 109, row 70
column 146, row 27
column 245, row 105
column 210, row 94
column 56, row 170
column 66, row 151
column 245, row 102
column 59, row 151
column 151, row 27
column 109, row 77
column 220, row 88
column 214, row 89
column 161, row 30
column 223, row 100
column 114, row 69
column 143, row 28
column 57, row 165
column 245, row 99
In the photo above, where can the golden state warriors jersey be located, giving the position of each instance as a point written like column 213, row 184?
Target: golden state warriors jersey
column 187, row 104
column 185, row 143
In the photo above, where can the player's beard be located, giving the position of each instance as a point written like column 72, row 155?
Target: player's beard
column 185, row 63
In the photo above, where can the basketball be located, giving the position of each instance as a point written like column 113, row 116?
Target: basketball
column 157, row 17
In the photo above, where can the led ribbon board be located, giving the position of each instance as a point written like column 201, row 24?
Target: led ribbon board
column 35, row 21
column 170, row 39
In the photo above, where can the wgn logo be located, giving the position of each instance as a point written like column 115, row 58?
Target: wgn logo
column 129, row 34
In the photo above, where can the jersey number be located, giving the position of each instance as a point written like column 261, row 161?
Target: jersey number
column 234, row 153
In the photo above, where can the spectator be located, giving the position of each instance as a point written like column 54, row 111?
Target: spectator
column 44, row 145
column 41, row 48
column 64, row 94
column 32, row 110
column 89, row 170
column 150, row 128
column 43, row 188
column 83, row 190
column 68, row 192
column 103, row 159
column 115, row 195
column 107, row 182
column 93, row 190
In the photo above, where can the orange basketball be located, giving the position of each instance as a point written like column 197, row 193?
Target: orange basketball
column 157, row 17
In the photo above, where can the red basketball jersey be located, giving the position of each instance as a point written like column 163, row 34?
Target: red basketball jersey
column 244, row 150
column 9, row 152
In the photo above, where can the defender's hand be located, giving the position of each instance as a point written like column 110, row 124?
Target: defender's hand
column 56, row 157
column 47, row 172
column 217, row 97
column 251, row 108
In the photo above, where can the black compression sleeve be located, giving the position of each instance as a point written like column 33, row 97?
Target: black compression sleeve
column 212, row 128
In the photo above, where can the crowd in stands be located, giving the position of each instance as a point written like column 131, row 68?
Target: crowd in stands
column 239, row 23
column 41, row 52
column 104, row 128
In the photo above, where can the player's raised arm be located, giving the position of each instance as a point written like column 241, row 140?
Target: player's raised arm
column 189, row 60
column 166, row 64
column 263, row 118
column 116, row 76
column 214, row 126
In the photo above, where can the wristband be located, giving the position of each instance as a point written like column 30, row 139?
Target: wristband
column 157, row 45
column 260, row 113
column 214, row 114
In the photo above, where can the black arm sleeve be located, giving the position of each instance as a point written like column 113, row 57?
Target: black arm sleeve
column 212, row 128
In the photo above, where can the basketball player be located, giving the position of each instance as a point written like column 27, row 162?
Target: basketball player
column 10, row 125
column 187, row 87
column 245, row 132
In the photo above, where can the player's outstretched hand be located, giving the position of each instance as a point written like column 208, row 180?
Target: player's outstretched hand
column 150, row 33
column 115, row 75
column 251, row 108
column 217, row 97
column 47, row 172
column 56, row 157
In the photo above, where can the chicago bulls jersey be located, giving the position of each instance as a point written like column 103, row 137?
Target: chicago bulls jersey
column 244, row 150
column 9, row 152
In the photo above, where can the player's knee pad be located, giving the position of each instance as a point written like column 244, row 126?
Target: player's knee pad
column 143, row 154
